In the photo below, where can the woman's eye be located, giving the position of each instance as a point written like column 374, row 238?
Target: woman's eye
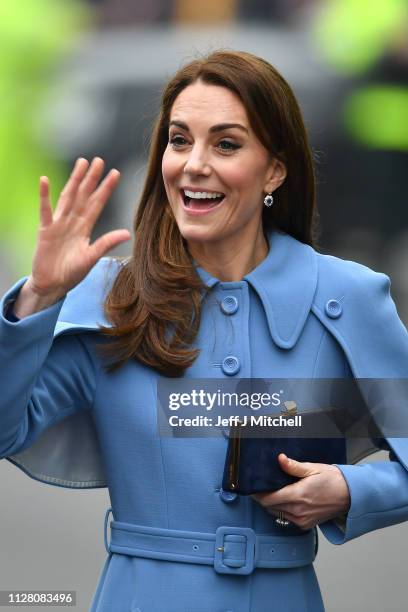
column 224, row 145
column 177, row 141
column 227, row 145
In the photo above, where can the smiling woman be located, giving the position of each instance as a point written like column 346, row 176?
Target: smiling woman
column 220, row 284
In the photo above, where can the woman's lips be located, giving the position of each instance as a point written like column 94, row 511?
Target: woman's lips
column 198, row 206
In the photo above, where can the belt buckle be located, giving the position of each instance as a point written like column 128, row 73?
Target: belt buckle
column 250, row 552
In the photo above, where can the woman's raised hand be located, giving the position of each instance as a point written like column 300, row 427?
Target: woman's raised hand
column 64, row 255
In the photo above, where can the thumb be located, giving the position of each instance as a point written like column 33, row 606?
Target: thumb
column 293, row 467
column 107, row 242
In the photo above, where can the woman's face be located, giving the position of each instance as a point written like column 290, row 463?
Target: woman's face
column 215, row 170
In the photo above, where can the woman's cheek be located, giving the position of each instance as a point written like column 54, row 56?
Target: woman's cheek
column 165, row 168
column 169, row 165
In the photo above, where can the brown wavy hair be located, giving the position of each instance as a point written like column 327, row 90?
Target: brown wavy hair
column 154, row 305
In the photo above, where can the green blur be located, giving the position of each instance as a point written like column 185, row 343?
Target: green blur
column 377, row 117
column 353, row 34
column 35, row 35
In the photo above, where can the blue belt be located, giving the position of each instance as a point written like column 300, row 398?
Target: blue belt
column 231, row 550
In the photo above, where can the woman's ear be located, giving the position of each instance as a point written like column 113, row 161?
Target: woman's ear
column 276, row 175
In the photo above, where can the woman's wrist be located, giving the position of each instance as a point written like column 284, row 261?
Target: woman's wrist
column 29, row 301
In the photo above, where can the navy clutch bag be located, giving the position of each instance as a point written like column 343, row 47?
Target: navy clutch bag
column 252, row 466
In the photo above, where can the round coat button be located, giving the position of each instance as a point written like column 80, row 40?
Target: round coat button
column 229, row 305
column 333, row 309
column 230, row 365
column 227, row 496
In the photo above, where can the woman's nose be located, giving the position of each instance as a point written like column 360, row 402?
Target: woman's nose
column 197, row 162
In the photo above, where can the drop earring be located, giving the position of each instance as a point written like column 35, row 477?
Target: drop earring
column 268, row 199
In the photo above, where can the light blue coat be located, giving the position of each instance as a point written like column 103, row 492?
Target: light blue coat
column 65, row 421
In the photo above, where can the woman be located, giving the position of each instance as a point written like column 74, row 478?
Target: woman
column 223, row 282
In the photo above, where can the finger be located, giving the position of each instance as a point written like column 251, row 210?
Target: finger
column 107, row 242
column 284, row 513
column 90, row 182
column 101, row 196
column 45, row 204
column 280, row 507
column 284, row 495
column 69, row 193
column 289, row 516
column 295, row 468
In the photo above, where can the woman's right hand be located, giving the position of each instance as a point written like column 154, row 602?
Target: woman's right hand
column 64, row 255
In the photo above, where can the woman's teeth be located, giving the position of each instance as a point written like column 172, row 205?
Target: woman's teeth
column 201, row 195
column 193, row 199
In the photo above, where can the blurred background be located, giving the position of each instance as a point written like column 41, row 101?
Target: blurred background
column 84, row 78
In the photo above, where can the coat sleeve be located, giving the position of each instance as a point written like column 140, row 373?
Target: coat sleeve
column 379, row 498
column 42, row 379
column 375, row 342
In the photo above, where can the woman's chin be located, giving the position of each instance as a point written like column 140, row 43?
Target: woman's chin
column 199, row 234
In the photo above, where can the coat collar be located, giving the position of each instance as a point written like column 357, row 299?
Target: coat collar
column 285, row 282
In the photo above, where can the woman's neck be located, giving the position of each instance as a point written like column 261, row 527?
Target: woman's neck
column 230, row 259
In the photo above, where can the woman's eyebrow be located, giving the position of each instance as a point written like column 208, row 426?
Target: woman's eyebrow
column 215, row 128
